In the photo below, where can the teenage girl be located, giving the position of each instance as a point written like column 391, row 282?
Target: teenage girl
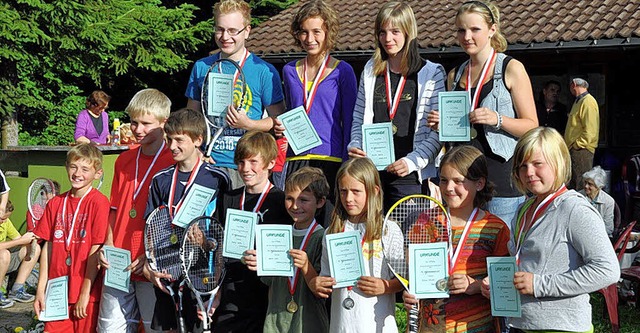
column 476, row 235
column 370, row 304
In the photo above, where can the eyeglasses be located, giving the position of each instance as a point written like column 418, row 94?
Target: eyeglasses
column 231, row 32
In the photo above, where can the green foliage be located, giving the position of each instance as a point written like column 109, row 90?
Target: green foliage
column 264, row 9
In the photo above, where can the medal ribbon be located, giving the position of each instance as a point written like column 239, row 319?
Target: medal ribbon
column 453, row 256
column 137, row 187
column 523, row 228
column 293, row 280
column 392, row 104
column 67, row 242
column 483, row 74
column 261, row 199
column 187, row 186
column 310, row 95
column 240, row 64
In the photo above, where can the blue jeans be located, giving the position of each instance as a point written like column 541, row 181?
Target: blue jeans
column 505, row 208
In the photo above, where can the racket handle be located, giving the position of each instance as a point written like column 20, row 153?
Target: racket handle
column 412, row 325
column 213, row 140
column 182, row 327
column 32, row 250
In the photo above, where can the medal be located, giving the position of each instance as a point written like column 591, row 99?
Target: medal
column 394, row 128
column 133, row 213
column 441, row 284
column 173, row 238
column 474, row 133
column 68, row 261
column 292, row 306
column 393, row 101
column 205, row 280
column 348, row 303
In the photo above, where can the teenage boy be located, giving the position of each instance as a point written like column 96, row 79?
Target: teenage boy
column 243, row 301
column 13, row 250
column 185, row 130
column 121, row 311
column 74, row 227
column 233, row 19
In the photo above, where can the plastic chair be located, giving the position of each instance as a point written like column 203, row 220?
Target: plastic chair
column 610, row 293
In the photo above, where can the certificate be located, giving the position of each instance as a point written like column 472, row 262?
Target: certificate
column 346, row 262
column 428, row 270
column 116, row 276
column 299, row 131
column 220, row 94
column 56, row 300
column 505, row 299
column 454, row 116
column 239, row 232
column 377, row 142
column 273, row 242
column 194, row 205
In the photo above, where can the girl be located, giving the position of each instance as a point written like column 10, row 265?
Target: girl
column 373, row 297
column 476, row 235
column 398, row 86
column 326, row 87
column 502, row 104
column 559, row 240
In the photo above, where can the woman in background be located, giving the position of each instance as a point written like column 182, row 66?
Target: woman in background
column 92, row 125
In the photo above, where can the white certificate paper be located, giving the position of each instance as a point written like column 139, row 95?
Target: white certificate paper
column 299, row 130
column 239, row 232
column 346, row 261
column 220, row 94
column 194, row 205
column 377, row 142
column 454, row 116
column 428, row 264
column 116, row 276
column 56, row 300
column 273, row 242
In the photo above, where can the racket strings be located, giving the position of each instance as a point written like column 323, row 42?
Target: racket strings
column 163, row 248
column 202, row 255
column 40, row 191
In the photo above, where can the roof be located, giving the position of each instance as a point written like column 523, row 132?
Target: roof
column 536, row 24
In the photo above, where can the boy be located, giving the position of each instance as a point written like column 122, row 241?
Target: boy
column 185, row 130
column 233, row 19
column 74, row 227
column 13, row 250
column 121, row 311
column 243, row 297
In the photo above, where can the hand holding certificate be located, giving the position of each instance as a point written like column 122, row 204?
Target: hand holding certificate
column 56, row 300
column 378, row 144
column 299, row 130
column 346, row 262
column 273, row 243
column 505, row 299
column 117, row 276
column 428, row 268
column 239, row 232
column 454, row 116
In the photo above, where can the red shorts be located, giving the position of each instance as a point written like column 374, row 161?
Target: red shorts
column 86, row 324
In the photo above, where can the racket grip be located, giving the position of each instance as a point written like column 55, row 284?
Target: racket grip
column 182, row 327
column 32, row 250
column 412, row 325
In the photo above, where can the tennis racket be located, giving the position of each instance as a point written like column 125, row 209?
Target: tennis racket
column 215, row 120
column 162, row 248
column 202, row 262
column 40, row 192
column 422, row 219
column 100, row 181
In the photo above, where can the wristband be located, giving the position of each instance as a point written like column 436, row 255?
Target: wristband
column 499, row 124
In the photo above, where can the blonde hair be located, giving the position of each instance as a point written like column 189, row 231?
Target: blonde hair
column 85, row 151
column 491, row 15
column 399, row 15
column 364, row 171
column 322, row 10
column 472, row 164
column 308, row 179
column 149, row 101
column 231, row 6
column 552, row 146
column 253, row 143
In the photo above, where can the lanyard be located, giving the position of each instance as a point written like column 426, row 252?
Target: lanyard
column 261, row 199
column 523, row 228
column 137, row 187
column 73, row 220
column 310, row 95
column 453, row 256
column 293, row 280
column 392, row 104
column 483, row 74
column 241, row 65
column 187, row 186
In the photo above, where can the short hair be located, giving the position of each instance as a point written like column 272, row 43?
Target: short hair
column 308, row 179
column 470, row 162
column 97, row 98
column 85, row 151
column 552, row 146
column 253, row 143
column 580, row 82
column 596, row 174
column 552, row 82
column 9, row 207
column 400, row 15
column 186, row 121
column 322, row 10
column 230, row 6
column 491, row 15
column 149, row 101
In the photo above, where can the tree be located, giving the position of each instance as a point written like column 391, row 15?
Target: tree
column 51, row 49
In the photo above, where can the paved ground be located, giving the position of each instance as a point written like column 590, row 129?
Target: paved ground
column 21, row 314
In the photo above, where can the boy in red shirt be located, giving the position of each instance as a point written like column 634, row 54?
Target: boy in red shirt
column 74, row 227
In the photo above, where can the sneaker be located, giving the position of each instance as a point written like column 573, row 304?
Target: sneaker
column 21, row 296
column 5, row 302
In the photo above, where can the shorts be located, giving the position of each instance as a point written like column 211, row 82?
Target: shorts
column 15, row 262
column 121, row 311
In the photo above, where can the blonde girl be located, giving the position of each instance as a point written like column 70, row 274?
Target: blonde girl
column 359, row 208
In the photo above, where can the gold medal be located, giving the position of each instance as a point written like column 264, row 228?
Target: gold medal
column 173, row 238
column 394, row 128
column 205, row 280
column 474, row 133
column 292, row 306
column 133, row 213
